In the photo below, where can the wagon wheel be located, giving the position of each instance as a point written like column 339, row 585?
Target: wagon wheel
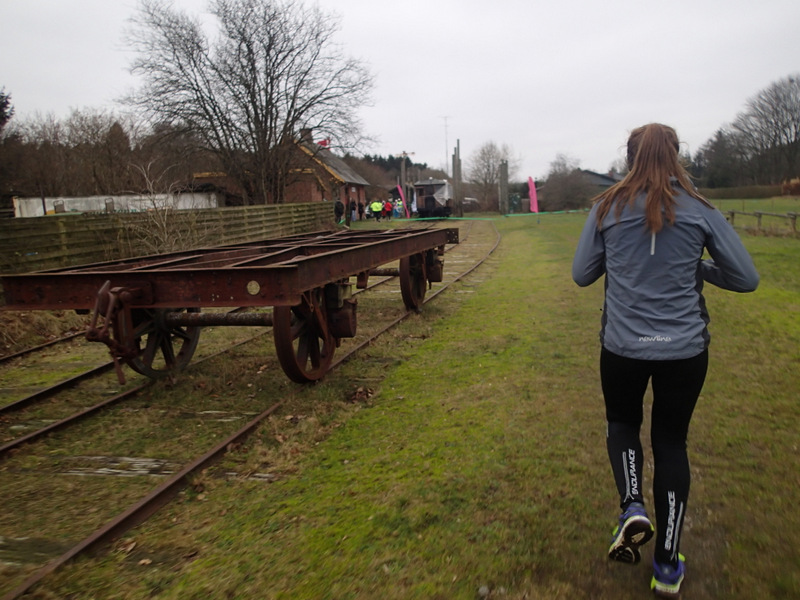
column 303, row 341
column 162, row 349
column 413, row 281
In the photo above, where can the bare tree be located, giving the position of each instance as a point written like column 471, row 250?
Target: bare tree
column 100, row 152
column 45, row 161
column 6, row 109
column 379, row 179
column 272, row 71
column 10, row 154
column 566, row 187
column 165, row 148
column 725, row 161
column 483, row 172
column 619, row 166
column 86, row 154
column 167, row 225
column 769, row 130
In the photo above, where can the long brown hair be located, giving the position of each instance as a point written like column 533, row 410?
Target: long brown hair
column 652, row 161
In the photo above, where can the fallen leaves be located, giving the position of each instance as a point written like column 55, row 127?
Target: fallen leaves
column 361, row 394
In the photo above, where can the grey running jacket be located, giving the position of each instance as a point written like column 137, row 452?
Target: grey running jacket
column 654, row 307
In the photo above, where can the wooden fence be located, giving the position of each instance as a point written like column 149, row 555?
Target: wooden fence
column 67, row 240
column 789, row 219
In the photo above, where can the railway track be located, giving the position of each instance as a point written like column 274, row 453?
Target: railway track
column 205, row 424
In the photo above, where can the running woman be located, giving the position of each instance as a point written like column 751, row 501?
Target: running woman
column 647, row 234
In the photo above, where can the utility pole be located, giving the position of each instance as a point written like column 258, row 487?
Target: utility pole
column 446, row 147
column 503, row 191
column 458, row 192
column 403, row 176
column 403, row 182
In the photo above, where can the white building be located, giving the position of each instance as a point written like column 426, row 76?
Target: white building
column 37, row 207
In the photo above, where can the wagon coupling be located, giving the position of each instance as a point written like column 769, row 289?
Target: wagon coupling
column 117, row 324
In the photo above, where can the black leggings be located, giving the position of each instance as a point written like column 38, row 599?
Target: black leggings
column 676, row 387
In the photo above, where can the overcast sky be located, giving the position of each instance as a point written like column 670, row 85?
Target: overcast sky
column 544, row 77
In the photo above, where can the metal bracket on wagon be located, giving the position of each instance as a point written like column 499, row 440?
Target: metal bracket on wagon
column 110, row 302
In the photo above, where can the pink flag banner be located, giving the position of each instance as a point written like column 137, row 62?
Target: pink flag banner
column 403, row 199
column 532, row 194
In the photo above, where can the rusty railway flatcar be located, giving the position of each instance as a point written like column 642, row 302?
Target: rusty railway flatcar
column 147, row 310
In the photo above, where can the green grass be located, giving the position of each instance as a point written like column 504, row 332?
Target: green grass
column 480, row 461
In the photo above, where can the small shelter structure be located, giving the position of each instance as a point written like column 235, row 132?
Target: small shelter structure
column 434, row 197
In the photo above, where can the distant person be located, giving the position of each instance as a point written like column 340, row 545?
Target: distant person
column 647, row 235
column 338, row 211
column 360, row 210
column 376, row 207
column 388, row 207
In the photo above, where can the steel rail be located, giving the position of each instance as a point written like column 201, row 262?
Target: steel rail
column 18, row 354
column 53, row 389
column 5, row 449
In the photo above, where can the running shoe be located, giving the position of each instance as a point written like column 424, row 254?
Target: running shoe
column 667, row 579
column 634, row 529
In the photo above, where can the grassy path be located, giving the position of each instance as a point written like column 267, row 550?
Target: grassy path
column 478, row 469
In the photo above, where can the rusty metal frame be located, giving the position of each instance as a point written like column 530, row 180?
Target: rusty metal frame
column 272, row 272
